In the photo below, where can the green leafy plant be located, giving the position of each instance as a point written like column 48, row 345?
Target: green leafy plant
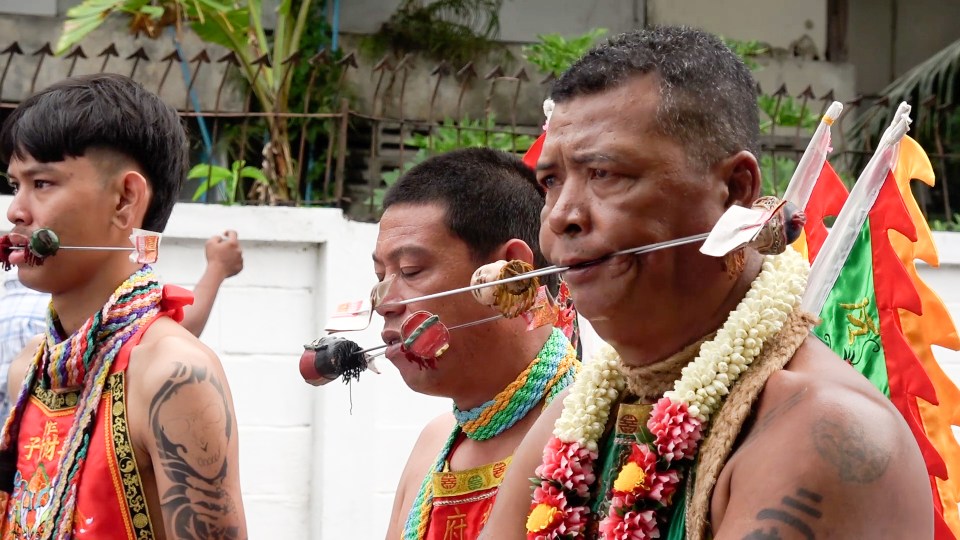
column 553, row 53
column 238, row 27
column 951, row 225
column 748, row 51
column 453, row 30
column 212, row 176
column 452, row 135
column 467, row 133
column 775, row 173
column 785, row 111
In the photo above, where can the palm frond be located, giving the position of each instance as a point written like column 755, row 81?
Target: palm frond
column 480, row 16
column 932, row 85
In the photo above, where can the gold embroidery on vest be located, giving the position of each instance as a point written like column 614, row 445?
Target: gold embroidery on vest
column 137, row 508
column 55, row 401
column 456, row 524
column 45, row 445
column 451, row 484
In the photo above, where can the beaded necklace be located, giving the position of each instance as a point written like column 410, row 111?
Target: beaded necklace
column 84, row 360
column 551, row 371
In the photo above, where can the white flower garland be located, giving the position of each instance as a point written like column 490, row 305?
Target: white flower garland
column 587, row 406
column 704, row 382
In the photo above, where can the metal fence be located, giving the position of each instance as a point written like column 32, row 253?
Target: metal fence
column 364, row 119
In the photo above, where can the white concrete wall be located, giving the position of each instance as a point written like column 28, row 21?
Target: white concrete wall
column 777, row 22
column 309, row 467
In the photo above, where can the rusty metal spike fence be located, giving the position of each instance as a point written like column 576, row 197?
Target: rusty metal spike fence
column 356, row 116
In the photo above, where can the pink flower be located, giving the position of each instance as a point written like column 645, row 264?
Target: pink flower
column 564, row 519
column 629, row 526
column 662, row 486
column 568, row 464
column 677, row 432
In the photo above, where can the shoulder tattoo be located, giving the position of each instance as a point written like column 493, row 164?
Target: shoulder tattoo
column 192, row 444
column 847, row 446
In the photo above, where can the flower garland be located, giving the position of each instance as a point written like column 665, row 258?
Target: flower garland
column 647, row 481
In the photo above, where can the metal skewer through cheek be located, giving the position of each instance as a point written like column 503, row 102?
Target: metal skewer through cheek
column 464, row 325
column 546, row 271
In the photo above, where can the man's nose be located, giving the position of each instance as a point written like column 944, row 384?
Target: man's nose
column 385, row 296
column 570, row 214
column 18, row 212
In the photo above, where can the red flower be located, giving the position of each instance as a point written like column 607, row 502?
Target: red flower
column 677, row 432
column 568, row 464
column 631, row 525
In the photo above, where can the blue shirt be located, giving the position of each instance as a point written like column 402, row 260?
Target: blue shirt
column 23, row 315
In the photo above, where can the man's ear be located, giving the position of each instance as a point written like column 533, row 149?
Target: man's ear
column 741, row 175
column 517, row 249
column 133, row 198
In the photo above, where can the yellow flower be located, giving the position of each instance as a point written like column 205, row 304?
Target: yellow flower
column 631, row 478
column 541, row 517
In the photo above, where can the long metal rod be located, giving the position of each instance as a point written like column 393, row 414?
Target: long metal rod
column 97, row 248
column 464, row 325
column 557, row 269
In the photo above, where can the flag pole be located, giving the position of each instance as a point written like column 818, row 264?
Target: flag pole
column 843, row 234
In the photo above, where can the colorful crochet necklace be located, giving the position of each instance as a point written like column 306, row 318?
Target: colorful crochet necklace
column 554, row 368
column 643, row 489
column 83, row 360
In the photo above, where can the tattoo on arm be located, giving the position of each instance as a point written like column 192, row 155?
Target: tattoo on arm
column 794, row 512
column 858, row 459
column 192, row 447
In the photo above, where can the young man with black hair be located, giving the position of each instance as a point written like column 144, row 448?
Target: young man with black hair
column 442, row 220
column 124, row 426
column 768, row 434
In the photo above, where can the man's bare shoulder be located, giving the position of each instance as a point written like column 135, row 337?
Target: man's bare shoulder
column 432, row 438
column 824, row 436
column 168, row 353
column 817, row 383
column 167, row 340
column 840, row 406
column 425, row 450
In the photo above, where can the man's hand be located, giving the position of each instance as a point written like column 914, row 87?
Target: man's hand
column 224, row 255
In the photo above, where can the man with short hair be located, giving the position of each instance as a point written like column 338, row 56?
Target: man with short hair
column 124, row 426
column 767, row 434
column 443, row 219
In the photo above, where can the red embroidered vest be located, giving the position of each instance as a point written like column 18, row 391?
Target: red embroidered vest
column 111, row 503
column 462, row 500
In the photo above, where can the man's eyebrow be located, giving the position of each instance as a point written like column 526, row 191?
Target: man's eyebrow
column 33, row 170
column 583, row 158
column 399, row 252
column 593, row 157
